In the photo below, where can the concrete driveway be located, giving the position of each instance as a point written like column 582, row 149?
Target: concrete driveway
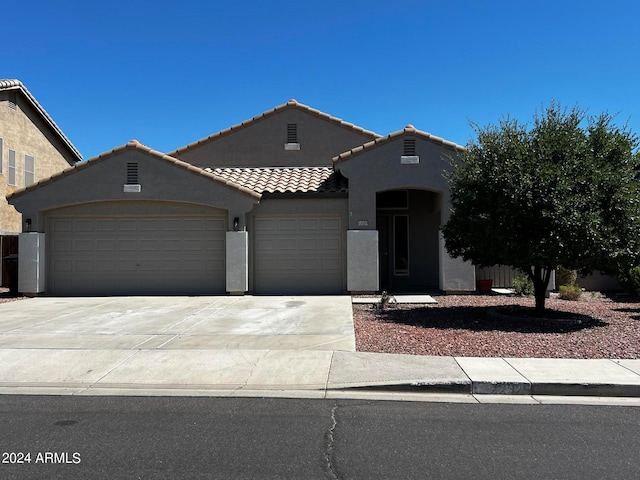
column 179, row 323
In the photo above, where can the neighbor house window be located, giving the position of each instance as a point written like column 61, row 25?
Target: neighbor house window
column 29, row 170
column 12, row 167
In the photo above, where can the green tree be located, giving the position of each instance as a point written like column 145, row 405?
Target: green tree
column 562, row 191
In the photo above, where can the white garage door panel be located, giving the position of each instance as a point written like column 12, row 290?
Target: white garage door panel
column 298, row 255
column 137, row 255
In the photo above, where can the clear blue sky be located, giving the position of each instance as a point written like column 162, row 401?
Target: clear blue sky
column 168, row 73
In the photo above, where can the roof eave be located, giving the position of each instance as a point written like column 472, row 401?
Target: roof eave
column 17, row 85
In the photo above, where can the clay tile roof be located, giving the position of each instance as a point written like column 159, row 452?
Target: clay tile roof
column 8, row 84
column 290, row 104
column 135, row 145
column 285, row 179
column 408, row 130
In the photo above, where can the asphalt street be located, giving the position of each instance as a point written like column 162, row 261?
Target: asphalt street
column 177, row 437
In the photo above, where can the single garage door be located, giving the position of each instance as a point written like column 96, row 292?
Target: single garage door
column 294, row 255
column 136, row 255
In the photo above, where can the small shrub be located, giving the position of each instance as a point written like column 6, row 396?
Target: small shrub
column 570, row 292
column 564, row 276
column 386, row 301
column 634, row 277
column 523, row 286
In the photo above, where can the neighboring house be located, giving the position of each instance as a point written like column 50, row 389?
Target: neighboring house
column 291, row 201
column 32, row 147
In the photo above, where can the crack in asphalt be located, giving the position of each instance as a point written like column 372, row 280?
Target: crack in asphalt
column 329, row 442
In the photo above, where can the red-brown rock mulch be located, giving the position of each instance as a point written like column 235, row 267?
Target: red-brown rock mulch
column 596, row 326
column 6, row 296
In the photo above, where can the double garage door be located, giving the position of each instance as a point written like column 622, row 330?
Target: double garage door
column 136, row 255
column 298, row 255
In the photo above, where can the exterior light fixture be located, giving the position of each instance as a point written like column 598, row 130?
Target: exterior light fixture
column 236, row 224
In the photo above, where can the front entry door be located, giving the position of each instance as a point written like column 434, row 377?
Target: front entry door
column 393, row 244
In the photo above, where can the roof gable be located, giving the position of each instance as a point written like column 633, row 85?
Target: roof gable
column 291, row 104
column 135, row 145
column 17, row 85
column 409, row 130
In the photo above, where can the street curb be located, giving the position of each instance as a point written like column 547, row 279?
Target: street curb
column 454, row 388
column 586, row 389
column 500, row 388
column 509, row 388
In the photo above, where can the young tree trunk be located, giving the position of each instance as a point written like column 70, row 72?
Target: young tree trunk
column 540, row 277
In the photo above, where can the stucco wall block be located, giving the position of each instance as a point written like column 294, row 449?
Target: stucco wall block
column 31, row 263
column 362, row 260
column 237, row 262
column 456, row 275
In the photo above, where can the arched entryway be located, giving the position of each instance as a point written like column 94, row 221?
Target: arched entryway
column 408, row 223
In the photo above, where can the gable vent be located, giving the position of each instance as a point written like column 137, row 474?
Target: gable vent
column 132, row 173
column 133, row 184
column 292, row 133
column 409, row 147
column 292, row 137
column 13, row 101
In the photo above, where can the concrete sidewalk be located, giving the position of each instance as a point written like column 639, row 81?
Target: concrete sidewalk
column 310, row 373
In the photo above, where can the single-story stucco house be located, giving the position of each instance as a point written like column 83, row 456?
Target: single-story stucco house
column 292, row 201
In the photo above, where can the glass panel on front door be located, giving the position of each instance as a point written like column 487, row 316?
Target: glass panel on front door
column 401, row 245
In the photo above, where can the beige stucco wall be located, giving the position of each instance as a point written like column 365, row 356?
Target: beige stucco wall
column 24, row 131
column 261, row 144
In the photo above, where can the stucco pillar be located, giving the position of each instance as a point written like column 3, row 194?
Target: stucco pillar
column 456, row 275
column 31, row 271
column 237, row 262
column 362, row 261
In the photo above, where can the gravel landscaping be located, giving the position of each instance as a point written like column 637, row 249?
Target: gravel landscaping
column 596, row 326
column 5, row 296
